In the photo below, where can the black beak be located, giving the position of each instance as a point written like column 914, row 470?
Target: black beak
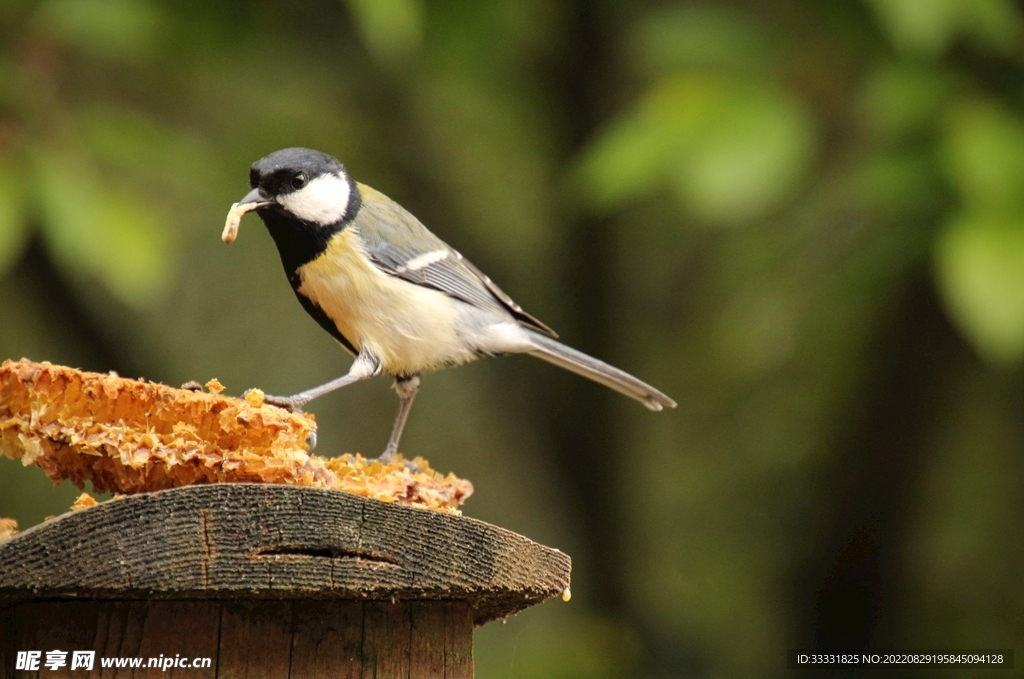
column 256, row 197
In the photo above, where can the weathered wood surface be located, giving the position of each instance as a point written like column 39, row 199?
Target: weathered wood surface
column 250, row 541
column 246, row 639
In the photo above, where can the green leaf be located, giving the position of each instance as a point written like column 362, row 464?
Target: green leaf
column 979, row 262
column 391, row 28
column 747, row 159
column 134, row 143
column 625, row 163
column 115, row 29
column 983, row 155
column 730, row 150
column 699, row 35
column 97, row 230
column 929, row 27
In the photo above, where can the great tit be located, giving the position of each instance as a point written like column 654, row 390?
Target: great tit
column 391, row 292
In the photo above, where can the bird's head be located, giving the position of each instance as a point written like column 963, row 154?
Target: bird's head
column 304, row 185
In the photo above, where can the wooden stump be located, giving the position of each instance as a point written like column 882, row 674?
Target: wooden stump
column 264, row 581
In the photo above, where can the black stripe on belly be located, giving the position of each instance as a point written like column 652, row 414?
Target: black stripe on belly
column 320, row 316
column 300, row 242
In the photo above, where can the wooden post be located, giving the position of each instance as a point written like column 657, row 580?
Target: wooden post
column 264, row 581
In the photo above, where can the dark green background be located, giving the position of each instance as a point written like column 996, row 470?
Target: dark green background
column 803, row 220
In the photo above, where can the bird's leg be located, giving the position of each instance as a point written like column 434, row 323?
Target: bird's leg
column 406, row 388
column 364, row 366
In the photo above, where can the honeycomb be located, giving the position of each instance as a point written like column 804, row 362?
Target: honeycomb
column 131, row 436
column 8, row 529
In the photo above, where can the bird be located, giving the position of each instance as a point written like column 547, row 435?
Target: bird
column 393, row 294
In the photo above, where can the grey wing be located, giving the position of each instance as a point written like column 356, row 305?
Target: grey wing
column 517, row 311
column 401, row 246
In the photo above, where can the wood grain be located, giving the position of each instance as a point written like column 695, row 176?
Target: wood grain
column 252, row 541
column 293, row 640
column 265, row 581
column 328, row 640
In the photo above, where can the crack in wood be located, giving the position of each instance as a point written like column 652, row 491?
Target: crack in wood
column 268, row 542
column 327, row 553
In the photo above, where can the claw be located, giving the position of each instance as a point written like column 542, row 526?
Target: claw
column 311, row 440
column 289, row 403
column 389, row 456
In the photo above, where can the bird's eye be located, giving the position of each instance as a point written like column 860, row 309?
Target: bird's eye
column 299, row 180
column 254, row 178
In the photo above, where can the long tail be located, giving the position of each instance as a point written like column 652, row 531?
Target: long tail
column 599, row 371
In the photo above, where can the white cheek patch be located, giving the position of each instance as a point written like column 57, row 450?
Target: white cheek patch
column 322, row 201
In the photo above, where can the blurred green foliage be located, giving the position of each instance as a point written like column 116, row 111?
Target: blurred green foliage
column 803, row 220
column 712, row 128
column 392, row 29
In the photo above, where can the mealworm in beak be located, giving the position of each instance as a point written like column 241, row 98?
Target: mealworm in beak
column 234, row 220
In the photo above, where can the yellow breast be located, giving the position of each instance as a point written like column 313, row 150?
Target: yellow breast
column 410, row 329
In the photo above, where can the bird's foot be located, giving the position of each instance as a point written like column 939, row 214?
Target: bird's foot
column 389, row 456
column 292, row 404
